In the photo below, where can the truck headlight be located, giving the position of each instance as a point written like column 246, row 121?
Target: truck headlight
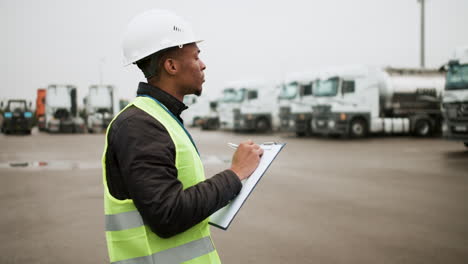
column 8, row 114
column 331, row 123
column 343, row 116
column 291, row 122
column 444, row 127
column 27, row 114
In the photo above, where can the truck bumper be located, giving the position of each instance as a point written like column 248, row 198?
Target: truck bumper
column 17, row 125
column 329, row 124
column 253, row 122
column 244, row 124
column 302, row 123
column 455, row 130
column 287, row 124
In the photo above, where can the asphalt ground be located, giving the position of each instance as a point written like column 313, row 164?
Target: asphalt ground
column 378, row 200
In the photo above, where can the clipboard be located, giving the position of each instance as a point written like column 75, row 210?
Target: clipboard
column 224, row 216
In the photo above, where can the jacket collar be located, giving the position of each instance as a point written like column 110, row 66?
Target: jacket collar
column 175, row 106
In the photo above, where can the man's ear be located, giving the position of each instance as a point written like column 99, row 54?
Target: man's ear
column 171, row 66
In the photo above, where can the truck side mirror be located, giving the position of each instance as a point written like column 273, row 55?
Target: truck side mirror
column 1, row 104
column 30, row 104
column 252, row 95
column 453, row 63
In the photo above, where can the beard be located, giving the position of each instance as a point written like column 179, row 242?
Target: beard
column 195, row 90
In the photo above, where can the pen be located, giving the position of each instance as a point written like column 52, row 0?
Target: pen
column 232, row 145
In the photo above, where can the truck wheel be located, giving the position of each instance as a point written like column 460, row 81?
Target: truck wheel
column 213, row 125
column 422, row 128
column 262, row 125
column 358, row 128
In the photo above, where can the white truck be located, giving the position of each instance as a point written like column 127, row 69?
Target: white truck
column 61, row 110
column 201, row 112
column 99, row 107
column 357, row 100
column 229, row 103
column 258, row 109
column 455, row 98
column 296, row 100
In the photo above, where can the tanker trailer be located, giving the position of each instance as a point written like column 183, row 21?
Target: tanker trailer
column 357, row 100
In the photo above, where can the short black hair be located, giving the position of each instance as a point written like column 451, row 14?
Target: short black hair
column 151, row 65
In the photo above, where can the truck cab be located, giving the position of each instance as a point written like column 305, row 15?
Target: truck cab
column 338, row 102
column 199, row 112
column 99, row 107
column 40, row 109
column 455, row 98
column 61, row 111
column 300, row 120
column 230, row 101
column 289, row 91
column 258, row 110
column 17, row 117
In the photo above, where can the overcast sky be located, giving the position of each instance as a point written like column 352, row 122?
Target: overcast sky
column 52, row 42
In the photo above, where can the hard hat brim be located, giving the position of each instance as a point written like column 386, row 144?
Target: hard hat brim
column 127, row 63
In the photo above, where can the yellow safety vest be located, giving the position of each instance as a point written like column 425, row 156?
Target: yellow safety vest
column 129, row 240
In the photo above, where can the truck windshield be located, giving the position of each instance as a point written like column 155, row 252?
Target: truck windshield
column 229, row 95
column 289, row 91
column 327, row 87
column 16, row 106
column 457, row 77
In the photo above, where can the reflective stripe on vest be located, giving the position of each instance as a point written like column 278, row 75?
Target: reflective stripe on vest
column 175, row 255
column 129, row 240
column 122, row 221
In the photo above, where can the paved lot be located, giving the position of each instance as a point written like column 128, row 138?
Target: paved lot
column 379, row 200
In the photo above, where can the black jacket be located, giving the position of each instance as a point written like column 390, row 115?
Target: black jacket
column 140, row 165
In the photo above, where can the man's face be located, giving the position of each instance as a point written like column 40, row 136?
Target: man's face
column 191, row 76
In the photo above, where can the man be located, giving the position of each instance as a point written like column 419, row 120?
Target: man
column 157, row 200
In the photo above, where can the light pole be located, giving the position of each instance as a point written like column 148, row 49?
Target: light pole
column 422, row 62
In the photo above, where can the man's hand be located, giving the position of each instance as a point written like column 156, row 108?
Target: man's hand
column 246, row 159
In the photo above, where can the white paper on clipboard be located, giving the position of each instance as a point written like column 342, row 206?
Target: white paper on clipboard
column 224, row 216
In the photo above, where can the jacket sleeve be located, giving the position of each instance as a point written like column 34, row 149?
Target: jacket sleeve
column 146, row 157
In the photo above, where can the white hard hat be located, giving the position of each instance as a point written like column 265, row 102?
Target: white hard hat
column 152, row 31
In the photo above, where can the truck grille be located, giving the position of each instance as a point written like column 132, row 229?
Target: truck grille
column 321, row 109
column 237, row 114
column 285, row 111
column 456, row 111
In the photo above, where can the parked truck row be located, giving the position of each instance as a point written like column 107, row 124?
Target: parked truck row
column 57, row 110
column 352, row 101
